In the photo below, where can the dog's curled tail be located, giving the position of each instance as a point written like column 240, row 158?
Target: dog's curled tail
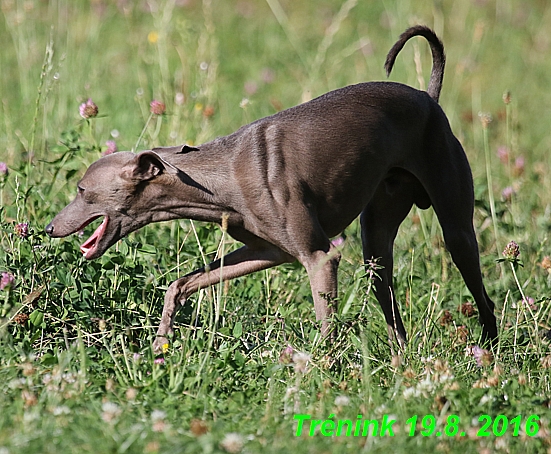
column 438, row 56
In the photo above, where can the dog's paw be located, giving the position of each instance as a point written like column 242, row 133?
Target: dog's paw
column 160, row 345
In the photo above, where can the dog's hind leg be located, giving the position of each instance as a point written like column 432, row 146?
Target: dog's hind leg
column 460, row 239
column 380, row 220
column 450, row 187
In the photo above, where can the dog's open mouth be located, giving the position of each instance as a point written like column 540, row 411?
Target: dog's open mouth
column 89, row 246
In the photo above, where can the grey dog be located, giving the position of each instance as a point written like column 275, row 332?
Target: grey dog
column 285, row 184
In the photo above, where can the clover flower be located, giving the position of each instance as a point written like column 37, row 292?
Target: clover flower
column 29, row 398
column 518, row 166
column 179, row 99
column 546, row 362
column 3, row 169
column 503, row 154
column 158, row 421
column 467, row 309
column 511, row 251
column 198, row 427
column 546, row 264
column 111, row 147
column 110, row 411
column 157, row 107
column 482, row 356
column 530, row 302
column 88, row 109
column 301, row 362
column 339, row 241
column 131, row 393
column 157, row 415
column 21, row 318
column 462, row 334
column 507, row 193
column 342, row 401
column 446, row 318
column 22, row 230
column 232, row 443
column 6, row 280
column 61, row 410
column 286, row 356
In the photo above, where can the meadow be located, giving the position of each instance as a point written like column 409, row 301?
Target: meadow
column 247, row 370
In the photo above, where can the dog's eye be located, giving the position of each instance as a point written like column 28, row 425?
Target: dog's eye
column 80, row 189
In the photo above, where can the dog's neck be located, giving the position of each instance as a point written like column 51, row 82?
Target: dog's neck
column 202, row 191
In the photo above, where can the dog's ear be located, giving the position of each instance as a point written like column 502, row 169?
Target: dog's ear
column 187, row 149
column 180, row 149
column 147, row 165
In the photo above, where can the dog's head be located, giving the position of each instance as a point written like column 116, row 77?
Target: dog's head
column 117, row 187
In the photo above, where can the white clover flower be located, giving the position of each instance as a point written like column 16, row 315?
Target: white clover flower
column 158, row 415
column 61, row 410
column 158, row 419
column 69, row 377
column 410, row 392
column 486, row 398
column 31, row 416
column 301, row 362
column 342, row 401
column 110, row 411
column 179, row 99
column 232, row 443
column 446, row 377
column 17, row 383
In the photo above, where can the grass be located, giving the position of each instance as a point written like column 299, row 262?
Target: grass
column 77, row 373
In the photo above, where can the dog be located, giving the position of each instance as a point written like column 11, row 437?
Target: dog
column 286, row 184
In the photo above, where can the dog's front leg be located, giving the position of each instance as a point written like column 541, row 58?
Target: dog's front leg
column 173, row 299
column 322, row 270
column 243, row 261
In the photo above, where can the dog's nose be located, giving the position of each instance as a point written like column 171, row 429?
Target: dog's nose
column 49, row 229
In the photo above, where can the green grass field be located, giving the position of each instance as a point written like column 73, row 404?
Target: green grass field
column 77, row 373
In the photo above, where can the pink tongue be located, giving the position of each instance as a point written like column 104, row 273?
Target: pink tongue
column 91, row 242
